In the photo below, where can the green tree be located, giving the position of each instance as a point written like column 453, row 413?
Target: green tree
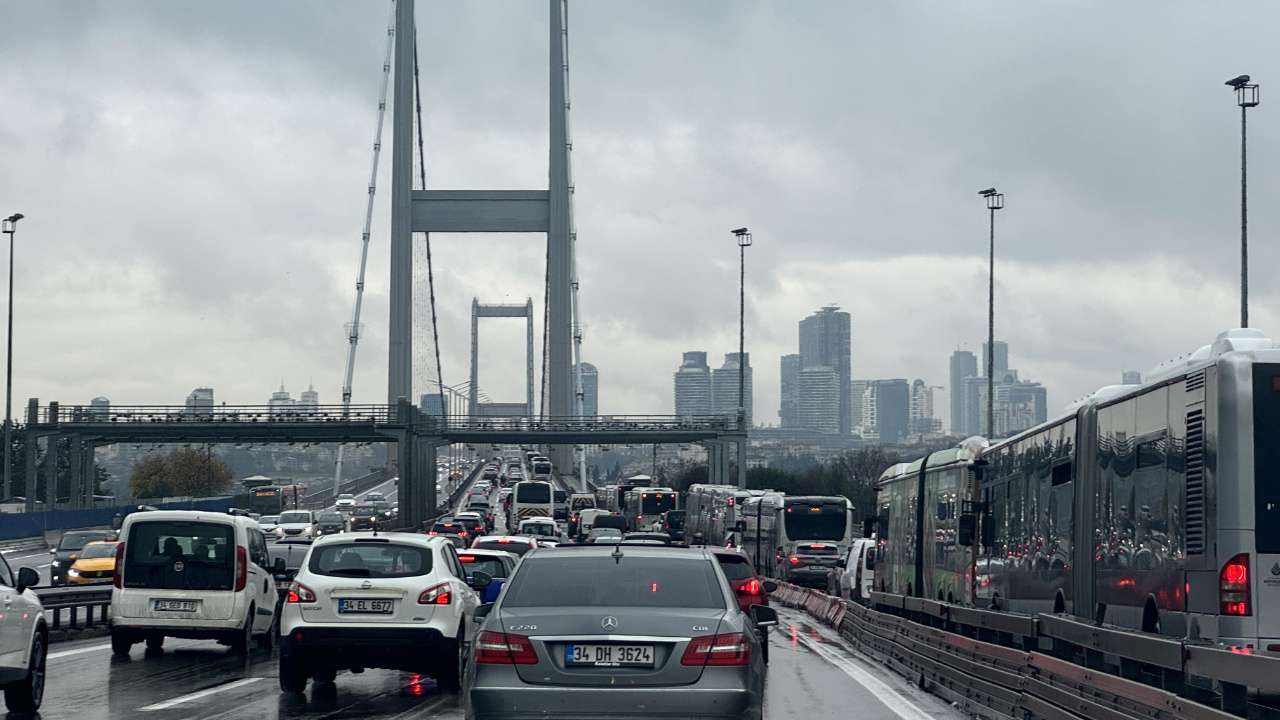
column 184, row 471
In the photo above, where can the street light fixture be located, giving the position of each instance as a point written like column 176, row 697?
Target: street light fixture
column 9, row 227
column 1246, row 97
column 744, row 242
column 995, row 201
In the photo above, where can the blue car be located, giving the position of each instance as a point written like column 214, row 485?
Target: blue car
column 495, row 563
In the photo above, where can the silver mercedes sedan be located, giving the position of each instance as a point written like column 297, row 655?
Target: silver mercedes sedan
column 617, row 632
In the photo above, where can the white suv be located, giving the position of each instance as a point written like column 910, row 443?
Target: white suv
column 24, row 640
column 192, row 574
column 399, row 601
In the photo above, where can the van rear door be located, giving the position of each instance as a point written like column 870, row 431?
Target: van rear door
column 179, row 569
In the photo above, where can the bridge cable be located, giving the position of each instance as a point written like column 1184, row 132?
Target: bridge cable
column 353, row 330
column 422, row 177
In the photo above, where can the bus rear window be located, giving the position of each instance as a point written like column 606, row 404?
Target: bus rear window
column 533, row 493
column 1266, row 456
column 828, row 522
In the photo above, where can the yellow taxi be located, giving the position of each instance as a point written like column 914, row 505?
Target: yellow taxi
column 95, row 563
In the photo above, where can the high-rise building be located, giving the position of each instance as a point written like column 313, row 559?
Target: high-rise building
column 1130, row 377
column 1000, row 362
column 920, row 419
column 724, row 387
column 825, row 342
column 590, row 390
column 200, row 399
column 310, row 398
column 893, row 403
column 788, row 414
column 693, row 385
column 281, row 402
column 963, row 365
column 432, row 405
column 100, row 407
column 862, row 425
column 819, row 399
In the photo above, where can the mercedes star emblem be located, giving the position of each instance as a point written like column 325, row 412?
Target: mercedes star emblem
column 366, row 585
column 609, row 623
column 1275, row 569
column 178, row 566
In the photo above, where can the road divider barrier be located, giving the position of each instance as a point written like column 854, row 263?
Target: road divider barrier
column 1056, row 667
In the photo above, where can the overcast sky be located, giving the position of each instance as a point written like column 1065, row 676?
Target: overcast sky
column 194, row 179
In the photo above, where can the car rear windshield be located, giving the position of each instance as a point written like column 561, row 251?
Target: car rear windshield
column 603, row 581
column 490, row 565
column 299, row 516
column 176, row 555
column 77, row 540
column 330, row 519
column 104, row 550
column 735, row 567
column 515, row 547
column 370, row 560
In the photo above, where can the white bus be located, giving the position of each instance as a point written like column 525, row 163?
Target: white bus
column 531, row 498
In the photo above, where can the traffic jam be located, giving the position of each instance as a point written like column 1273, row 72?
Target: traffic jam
column 526, row 600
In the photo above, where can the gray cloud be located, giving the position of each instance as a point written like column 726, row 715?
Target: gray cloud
column 194, row 180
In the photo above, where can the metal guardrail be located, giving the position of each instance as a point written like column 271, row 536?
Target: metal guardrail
column 1104, row 671
column 72, row 599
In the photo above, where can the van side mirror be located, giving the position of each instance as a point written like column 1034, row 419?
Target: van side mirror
column 841, row 563
column 279, row 567
column 27, row 577
column 869, row 526
column 117, row 522
column 968, row 524
column 479, row 580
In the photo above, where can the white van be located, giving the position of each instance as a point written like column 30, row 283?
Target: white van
column 192, row 574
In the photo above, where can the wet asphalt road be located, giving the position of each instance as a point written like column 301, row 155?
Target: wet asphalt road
column 812, row 675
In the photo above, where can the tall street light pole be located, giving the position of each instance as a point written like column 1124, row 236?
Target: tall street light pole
column 744, row 241
column 1246, row 97
column 10, row 226
column 995, row 201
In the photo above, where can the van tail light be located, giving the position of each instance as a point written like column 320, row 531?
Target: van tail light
column 1234, row 595
column 436, row 595
column 299, row 593
column 117, row 575
column 718, row 650
column 242, row 567
column 495, row 648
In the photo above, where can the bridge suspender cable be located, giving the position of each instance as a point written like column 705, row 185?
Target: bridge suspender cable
column 353, row 330
column 422, row 178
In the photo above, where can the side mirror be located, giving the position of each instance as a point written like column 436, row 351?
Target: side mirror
column 841, row 563
column 27, row 577
column 482, row 612
column 479, row 580
column 117, row 522
column 770, row 586
column 764, row 616
column 869, row 526
column 279, row 566
column 968, row 524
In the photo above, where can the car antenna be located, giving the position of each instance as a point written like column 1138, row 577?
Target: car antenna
column 617, row 554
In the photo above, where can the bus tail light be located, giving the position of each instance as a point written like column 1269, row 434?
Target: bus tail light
column 1234, row 596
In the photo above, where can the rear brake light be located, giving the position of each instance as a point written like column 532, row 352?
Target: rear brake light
column 751, row 587
column 242, row 567
column 299, row 593
column 1234, row 595
column 795, row 560
column 495, row 648
column 467, row 558
column 718, row 650
column 436, row 595
column 117, row 574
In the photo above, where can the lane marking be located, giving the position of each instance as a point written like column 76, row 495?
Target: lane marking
column 77, row 651
column 890, row 697
column 198, row 695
